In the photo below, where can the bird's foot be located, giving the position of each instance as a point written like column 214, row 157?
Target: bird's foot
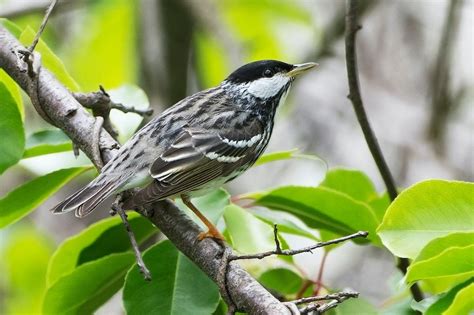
column 211, row 233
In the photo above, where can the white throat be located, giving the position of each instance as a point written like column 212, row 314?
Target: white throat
column 268, row 87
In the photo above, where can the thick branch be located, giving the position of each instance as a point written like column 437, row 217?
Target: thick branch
column 355, row 96
column 67, row 114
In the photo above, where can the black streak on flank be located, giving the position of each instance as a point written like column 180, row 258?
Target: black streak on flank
column 139, row 154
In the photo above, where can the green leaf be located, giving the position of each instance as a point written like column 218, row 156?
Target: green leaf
column 321, row 207
column 108, row 48
column 25, row 254
column 446, row 300
column 11, row 27
column 438, row 245
column 463, row 303
column 287, row 223
column 454, row 261
column 47, row 142
column 287, row 155
column 178, row 286
column 212, row 205
column 355, row 306
column 248, row 234
column 14, row 89
column 90, row 285
column 425, row 211
column 380, row 205
column 11, row 129
column 25, row 198
column 281, row 280
column 49, row 60
column 350, row 182
column 105, row 237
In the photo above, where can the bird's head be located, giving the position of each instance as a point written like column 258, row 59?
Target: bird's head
column 265, row 79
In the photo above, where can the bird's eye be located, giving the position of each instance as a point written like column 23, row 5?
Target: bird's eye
column 268, row 73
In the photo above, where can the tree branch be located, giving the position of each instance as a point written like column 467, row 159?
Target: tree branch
column 352, row 26
column 67, row 114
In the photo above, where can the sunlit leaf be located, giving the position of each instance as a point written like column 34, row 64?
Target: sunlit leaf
column 46, row 142
column 454, row 261
column 438, row 245
column 287, row 155
column 321, row 207
column 108, row 48
column 105, row 237
column 447, row 300
column 281, row 280
column 14, row 90
column 248, row 234
column 87, row 287
column 25, row 259
column 49, row 60
column 11, row 27
column 11, row 129
column 351, row 182
column 425, row 211
column 25, row 198
column 463, row 303
column 286, row 222
column 212, row 205
column 178, row 286
column 356, row 306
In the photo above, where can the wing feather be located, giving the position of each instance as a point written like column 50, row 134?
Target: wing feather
column 200, row 156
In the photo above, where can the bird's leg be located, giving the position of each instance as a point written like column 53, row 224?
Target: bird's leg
column 212, row 232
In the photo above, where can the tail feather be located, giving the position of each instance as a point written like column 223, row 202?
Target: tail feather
column 87, row 199
column 91, row 203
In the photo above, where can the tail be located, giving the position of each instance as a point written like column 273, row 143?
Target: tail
column 87, row 199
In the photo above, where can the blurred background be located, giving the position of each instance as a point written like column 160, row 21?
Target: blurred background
column 417, row 75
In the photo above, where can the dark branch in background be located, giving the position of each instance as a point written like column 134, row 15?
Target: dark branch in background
column 352, row 26
column 443, row 100
column 67, row 114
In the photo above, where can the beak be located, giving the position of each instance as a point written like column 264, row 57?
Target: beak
column 300, row 68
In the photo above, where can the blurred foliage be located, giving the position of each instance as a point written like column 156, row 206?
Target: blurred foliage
column 430, row 222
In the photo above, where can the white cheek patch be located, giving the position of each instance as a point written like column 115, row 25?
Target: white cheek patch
column 268, row 87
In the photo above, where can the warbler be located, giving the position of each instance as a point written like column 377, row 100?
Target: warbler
column 198, row 144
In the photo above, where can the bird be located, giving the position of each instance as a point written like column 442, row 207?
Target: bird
column 195, row 146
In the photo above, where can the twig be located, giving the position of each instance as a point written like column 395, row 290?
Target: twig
column 31, row 48
column 99, row 121
column 321, row 308
column 117, row 208
column 352, row 27
column 334, row 296
column 101, row 105
column 292, row 252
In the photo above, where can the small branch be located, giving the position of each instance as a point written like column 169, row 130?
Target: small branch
column 334, row 296
column 117, row 208
column 32, row 47
column 101, row 104
column 352, row 26
column 97, row 159
column 308, row 249
column 321, row 308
